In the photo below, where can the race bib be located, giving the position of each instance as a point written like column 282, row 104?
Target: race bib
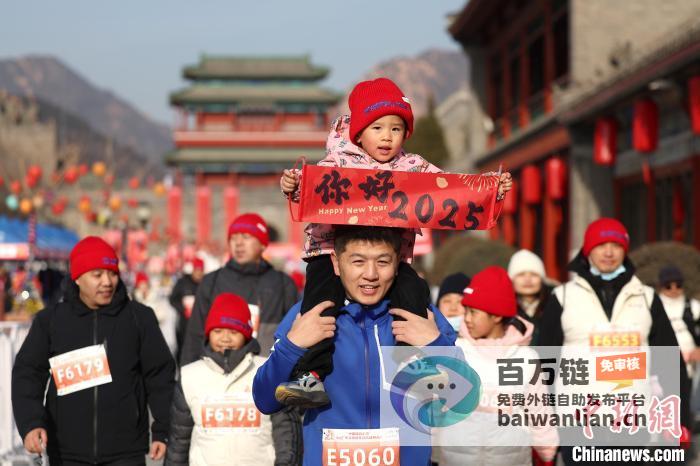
column 255, row 318
column 188, row 304
column 234, row 412
column 80, row 369
column 361, row 447
column 615, row 336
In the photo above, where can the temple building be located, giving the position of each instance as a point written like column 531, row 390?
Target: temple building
column 595, row 108
column 240, row 122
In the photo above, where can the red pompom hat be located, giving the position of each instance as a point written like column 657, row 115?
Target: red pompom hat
column 229, row 311
column 371, row 100
column 92, row 253
column 605, row 230
column 253, row 224
column 491, row 291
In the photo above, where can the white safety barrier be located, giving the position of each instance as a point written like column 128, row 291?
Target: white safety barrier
column 12, row 334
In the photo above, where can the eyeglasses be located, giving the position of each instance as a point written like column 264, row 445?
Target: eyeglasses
column 672, row 285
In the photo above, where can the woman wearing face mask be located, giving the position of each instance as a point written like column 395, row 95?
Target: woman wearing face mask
column 526, row 271
column 449, row 298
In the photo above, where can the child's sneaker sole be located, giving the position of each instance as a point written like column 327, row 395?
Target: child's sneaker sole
column 300, row 398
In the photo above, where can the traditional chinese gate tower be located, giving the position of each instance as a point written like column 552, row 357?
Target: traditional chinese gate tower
column 242, row 121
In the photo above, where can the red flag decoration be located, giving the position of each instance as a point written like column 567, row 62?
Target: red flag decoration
column 203, row 199
column 174, row 212
column 355, row 196
column 230, row 204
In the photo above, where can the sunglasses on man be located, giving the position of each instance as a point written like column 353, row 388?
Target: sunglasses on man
column 672, row 285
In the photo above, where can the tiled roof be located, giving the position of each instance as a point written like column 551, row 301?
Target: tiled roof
column 253, row 94
column 255, row 68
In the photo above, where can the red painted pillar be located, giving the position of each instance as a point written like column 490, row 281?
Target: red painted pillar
column 490, row 100
column 548, row 58
column 231, row 198
column 524, row 113
column 651, row 205
column 203, row 202
column 505, row 92
column 695, row 214
column 175, row 213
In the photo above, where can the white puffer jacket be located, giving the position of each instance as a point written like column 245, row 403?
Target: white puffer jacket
column 226, row 399
column 486, row 443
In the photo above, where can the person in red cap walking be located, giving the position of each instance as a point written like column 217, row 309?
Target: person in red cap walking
column 372, row 137
column 106, row 364
column 606, row 296
column 214, row 419
column 268, row 292
column 182, row 297
column 492, row 322
column 151, row 295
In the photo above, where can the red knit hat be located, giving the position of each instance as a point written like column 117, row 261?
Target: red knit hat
column 229, row 311
column 141, row 277
column 198, row 263
column 491, row 291
column 605, row 230
column 92, row 253
column 253, row 224
column 371, row 100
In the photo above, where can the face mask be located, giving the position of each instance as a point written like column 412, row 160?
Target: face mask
column 455, row 322
column 608, row 276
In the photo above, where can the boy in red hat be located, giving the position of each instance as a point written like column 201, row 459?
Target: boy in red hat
column 371, row 137
column 269, row 292
column 214, row 419
column 491, row 323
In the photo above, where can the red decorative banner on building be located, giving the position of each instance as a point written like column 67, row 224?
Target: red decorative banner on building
column 355, row 196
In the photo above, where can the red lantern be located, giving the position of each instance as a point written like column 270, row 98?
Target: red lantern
column 555, row 172
column 16, row 187
column 58, row 208
column 85, row 204
column 91, row 216
column 694, row 103
column 133, row 203
column 115, row 203
column 510, row 203
column 30, row 181
column 83, row 169
column 109, row 179
column 2, row 181
column 34, row 171
column 70, row 176
column 645, row 126
column 605, row 141
column 531, row 185
column 134, row 182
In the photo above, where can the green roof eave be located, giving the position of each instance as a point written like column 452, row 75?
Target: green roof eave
column 255, row 67
column 200, row 94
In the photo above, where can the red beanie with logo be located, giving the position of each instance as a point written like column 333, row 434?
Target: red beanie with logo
column 229, row 311
column 92, row 253
column 371, row 100
column 491, row 291
column 605, row 230
column 253, row 224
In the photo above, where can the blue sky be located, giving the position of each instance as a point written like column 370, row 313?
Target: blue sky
column 137, row 48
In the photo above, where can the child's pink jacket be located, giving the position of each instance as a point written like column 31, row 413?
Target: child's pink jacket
column 341, row 152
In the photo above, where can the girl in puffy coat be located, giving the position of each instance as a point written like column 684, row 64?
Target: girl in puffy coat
column 372, row 137
column 491, row 330
column 214, row 420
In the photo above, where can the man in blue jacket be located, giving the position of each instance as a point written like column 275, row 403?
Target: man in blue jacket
column 366, row 259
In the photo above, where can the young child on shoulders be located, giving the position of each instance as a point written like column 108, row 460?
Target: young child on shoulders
column 371, row 137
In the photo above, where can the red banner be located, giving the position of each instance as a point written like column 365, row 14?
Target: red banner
column 355, row 196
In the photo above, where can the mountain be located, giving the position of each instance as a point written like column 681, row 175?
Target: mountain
column 50, row 80
column 435, row 71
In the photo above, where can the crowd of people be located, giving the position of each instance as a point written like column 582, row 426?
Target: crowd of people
column 264, row 374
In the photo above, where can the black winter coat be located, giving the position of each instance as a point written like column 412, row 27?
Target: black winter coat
column 258, row 283
column 110, row 421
